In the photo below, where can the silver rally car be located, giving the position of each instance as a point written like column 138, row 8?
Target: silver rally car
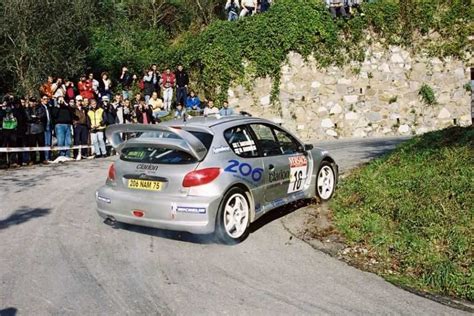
column 210, row 175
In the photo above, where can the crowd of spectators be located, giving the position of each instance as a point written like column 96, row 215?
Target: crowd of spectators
column 236, row 9
column 77, row 114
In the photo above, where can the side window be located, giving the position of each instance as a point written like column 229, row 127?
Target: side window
column 266, row 140
column 288, row 144
column 241, row 142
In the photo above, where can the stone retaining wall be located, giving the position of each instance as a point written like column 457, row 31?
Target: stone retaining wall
column 379, row 97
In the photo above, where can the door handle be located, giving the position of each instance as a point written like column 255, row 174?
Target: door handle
column 271, row 167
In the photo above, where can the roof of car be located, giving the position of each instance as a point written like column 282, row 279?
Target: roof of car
column 211, row 121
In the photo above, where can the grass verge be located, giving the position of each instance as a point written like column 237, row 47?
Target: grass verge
column 412, row 213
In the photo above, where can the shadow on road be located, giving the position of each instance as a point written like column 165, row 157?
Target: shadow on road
column 23, row 215
column 210, row 238
column 8, row 311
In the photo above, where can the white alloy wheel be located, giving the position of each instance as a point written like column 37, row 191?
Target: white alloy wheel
column 236, row 216
column 326, row 181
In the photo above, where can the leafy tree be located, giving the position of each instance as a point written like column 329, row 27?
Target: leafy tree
column 40, row 38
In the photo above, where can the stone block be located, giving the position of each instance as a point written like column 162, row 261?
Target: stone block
column 327, row 123
column 444, row 114
column 404, row 129
column 351, row 99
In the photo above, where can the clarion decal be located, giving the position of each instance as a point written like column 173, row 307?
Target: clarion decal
column 147, row 167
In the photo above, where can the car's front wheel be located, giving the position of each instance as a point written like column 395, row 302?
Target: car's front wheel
column 233, row 218
column 326, row 181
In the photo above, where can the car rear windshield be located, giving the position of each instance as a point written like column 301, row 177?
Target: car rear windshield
column 160, row 155
column 150, row 154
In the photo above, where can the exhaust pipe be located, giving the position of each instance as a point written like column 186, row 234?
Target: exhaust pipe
column 111, row 221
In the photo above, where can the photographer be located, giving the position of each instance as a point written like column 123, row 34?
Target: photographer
column 63, row 117
column 36, row 117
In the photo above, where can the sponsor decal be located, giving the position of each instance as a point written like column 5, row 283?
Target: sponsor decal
column 220, row 149
column 243, row 147
column 243, row 169
column 298, row 170
column 188, row 209
column 147, row 167
column 279, row 175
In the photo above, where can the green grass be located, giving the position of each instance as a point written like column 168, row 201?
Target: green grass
column 414, row 211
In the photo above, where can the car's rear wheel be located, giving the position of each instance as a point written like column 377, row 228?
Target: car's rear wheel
column 326, row 181
column 233, row 218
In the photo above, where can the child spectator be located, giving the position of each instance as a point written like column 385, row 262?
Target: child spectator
column 232, row 8
column 180, row 111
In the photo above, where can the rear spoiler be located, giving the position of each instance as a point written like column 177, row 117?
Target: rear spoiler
column 186, row 141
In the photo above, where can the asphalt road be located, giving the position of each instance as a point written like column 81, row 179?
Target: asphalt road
column 57, row 257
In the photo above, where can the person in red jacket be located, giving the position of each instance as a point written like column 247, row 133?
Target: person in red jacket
column 168, row 81
column 85, row 88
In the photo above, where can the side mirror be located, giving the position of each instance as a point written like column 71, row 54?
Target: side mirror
column 308, row 147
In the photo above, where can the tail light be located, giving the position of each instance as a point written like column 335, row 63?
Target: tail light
column 111, row 175
column 200, row 177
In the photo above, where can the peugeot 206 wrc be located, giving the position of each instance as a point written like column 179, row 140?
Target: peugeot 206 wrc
column 210, row 174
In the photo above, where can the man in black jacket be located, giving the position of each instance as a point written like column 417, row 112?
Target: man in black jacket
column 63, row 117
column 182, row 82
column 35, row 128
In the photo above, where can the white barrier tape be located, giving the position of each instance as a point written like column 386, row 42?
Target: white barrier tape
column 27, row 149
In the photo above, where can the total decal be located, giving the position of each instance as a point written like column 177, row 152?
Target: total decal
column 244, row 171
column 298, row 173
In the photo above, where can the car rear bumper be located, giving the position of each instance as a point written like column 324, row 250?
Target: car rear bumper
column 187, row 213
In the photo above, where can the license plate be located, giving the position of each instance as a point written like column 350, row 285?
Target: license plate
column 145, row 185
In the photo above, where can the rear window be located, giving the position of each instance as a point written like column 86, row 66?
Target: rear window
column 205, row 138
column 156, row 155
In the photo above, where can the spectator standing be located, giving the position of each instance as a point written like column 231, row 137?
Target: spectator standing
column 210, row 109
column 110, row 115
column 249, row 7
column 149, row 84
column 59, row 90
column 127, row 111
column 97, row 127
column 63, row 116
column 336, row 7
column 182, row 82
column 48, row 126
column 265, row 5
column 35, row 128
column 21, row 129
column 45, row 88
column 70, row 92
column 144, row 113
column 105, row 85
column 94, row 84
column 226, row 111
column 156, row 78
column 8, row 132
column 168, row 82
column 81, row 128
column 118, row 108
column 232, row 8
column 85, row 88
column 126, row 81
column 193, row 102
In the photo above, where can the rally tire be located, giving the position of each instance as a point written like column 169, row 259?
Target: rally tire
column 233, row 217
column 325, row 181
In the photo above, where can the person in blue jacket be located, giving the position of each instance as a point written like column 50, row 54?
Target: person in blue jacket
column 193, row 102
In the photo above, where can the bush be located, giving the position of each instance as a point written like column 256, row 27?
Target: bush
column 414, row 210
